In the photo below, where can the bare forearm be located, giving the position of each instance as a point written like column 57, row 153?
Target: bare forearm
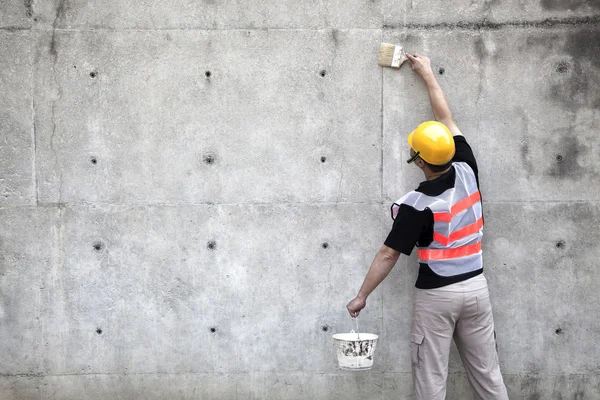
column 380, row 268
column 438, row 101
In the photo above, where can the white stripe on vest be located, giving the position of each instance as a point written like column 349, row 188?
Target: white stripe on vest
column 459, row 230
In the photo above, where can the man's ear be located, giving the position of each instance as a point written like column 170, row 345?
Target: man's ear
column 420, row 163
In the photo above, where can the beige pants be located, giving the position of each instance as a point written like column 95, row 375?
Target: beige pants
column 461, row 311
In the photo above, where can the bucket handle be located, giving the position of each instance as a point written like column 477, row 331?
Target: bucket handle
column 357, row 331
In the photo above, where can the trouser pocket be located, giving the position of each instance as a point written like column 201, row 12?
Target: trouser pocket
column 416, row 348
column 484, row 311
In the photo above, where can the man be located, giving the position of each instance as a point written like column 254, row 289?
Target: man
column 443, row 218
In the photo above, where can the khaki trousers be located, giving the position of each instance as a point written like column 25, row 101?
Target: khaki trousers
column 461, row 311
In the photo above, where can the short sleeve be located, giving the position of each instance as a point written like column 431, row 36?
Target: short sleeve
column 408, row 229
column 464, row 153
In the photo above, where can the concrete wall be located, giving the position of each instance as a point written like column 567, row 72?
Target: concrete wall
column 164, row 200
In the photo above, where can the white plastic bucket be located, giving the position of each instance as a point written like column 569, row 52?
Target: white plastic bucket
column 354, row 354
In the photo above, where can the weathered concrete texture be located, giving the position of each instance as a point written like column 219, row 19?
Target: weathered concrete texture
column 538, row 116
column 145, row 281
column 291, row 386
column 16, row 13
column 241, row 134
column 190, row 192
column 472, row 14
column 20, row 387
column 27, row 249
column 313, row 14
column 210, row 14
column 543, row 283
column 257, row 386
column 16, row 123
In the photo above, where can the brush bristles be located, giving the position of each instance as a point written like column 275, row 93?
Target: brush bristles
column 386, row 55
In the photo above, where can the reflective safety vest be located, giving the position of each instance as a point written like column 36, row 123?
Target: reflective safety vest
column 457, row 225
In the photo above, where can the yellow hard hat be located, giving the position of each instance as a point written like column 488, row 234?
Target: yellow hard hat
column 433, row 142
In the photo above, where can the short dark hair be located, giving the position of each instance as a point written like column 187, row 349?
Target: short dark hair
column 438, row 168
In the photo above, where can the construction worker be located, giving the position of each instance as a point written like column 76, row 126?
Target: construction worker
column 443, row 219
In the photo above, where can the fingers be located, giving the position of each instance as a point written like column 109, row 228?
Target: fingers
column 353, row 312
column 411, row 60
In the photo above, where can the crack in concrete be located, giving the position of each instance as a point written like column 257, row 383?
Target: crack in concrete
column 382, row 132
column 13, row 29
column 480, row 89
column 325, row 5
column 34, row 139
column 341, row 175
column 485, row 24
column 28, row 8
column 330, row 288
column 54, row 54
column 334, row 36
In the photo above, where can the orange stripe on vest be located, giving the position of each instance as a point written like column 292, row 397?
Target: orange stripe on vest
column 457, row 208
column 444, row 254
column 459, row 234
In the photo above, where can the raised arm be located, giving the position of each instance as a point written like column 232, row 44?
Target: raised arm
column 441, row 111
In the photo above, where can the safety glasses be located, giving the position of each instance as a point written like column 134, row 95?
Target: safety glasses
column 413, row 158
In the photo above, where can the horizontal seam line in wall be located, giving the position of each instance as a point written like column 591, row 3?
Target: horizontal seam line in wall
column 211, row 374
column 83, row 204
column 384, row 203
column 464, row 25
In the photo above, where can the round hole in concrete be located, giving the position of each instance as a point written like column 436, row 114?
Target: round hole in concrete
column 325, row 245
column 213, row 329
column 325, row 328
column 208, row 74
column 98, row 246
column 441, row 71
column 562, row 67
column 559, row 158
column 323, row 159
column 558, row 331
column 99, row 331
column 323, row 73
column 209, row 159
column 93, row 74
column 94, row 160
column 211, row 245
column 560, row 244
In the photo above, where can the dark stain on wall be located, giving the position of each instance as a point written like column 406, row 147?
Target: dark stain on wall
column 577, row 84
column 525, row 157
column 566, row 166
column 568, row 4
column 584, row 43
column 335, row 36
column 479, row 47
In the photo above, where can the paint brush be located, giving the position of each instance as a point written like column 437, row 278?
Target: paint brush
column 391, row 55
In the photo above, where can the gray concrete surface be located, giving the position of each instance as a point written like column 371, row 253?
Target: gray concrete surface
column 170, row 172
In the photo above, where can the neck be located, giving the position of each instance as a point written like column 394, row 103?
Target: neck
column 433, row 175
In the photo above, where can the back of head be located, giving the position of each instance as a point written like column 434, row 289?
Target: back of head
column 433, row 143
